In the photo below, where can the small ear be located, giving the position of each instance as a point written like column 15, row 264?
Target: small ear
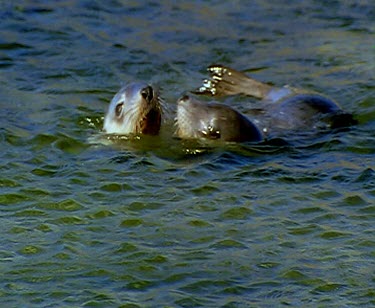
column 118, row 109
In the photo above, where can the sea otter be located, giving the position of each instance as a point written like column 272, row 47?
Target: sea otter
column 135, row 109
column 283, row 109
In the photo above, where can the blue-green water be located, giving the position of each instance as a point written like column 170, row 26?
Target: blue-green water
column 159, row 222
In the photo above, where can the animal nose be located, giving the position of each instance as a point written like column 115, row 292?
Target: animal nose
column 184, row 98
column 148, row 93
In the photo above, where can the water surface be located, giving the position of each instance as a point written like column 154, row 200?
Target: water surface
column 157, row 221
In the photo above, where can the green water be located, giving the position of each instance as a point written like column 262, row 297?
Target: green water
column 160, row 222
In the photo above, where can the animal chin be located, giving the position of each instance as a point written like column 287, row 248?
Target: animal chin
column 150, row 121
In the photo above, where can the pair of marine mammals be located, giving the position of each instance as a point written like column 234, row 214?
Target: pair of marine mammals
column 137, row 109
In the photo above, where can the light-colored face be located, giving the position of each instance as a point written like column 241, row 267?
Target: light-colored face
column 135, row 109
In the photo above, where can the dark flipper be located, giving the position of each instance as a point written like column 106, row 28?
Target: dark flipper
column 226, row 81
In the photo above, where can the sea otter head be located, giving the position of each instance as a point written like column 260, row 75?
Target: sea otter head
column 135, row 109
column 201, row 120
column 195, row 120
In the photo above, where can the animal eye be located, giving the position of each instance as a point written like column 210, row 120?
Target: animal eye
column 118, row 109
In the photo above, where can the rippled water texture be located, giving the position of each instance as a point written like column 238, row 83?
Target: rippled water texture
column 157, row 221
